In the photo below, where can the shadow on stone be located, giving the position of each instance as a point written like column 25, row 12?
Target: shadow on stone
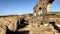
column 17, row 32
column 22, row 23
column 55, row 26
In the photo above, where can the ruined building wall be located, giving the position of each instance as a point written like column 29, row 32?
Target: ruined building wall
column 10, row 22
column 44, row 6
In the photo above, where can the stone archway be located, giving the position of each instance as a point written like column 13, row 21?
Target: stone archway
column 43, row 5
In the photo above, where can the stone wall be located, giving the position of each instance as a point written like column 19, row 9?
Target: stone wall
column 10, row 22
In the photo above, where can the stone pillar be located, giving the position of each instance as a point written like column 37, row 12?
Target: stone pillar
column 38, row 12
column 44, row 13
column 36, row 9
column 34, row 13
column 48, row 7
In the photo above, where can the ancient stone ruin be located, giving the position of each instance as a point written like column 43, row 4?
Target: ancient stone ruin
column 42, row 21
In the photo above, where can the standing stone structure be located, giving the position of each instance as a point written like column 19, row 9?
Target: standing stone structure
column 44, row 7
column 31, row 23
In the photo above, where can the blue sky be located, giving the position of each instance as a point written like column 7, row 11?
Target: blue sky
column 8, row 7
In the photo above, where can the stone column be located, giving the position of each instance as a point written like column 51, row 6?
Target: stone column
column 38, row 12
column 36, row 9
column 48, row 7
column 34, row 13
column 44, row 13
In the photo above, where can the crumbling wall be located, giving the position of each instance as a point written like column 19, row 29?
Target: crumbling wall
column 10, row 22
